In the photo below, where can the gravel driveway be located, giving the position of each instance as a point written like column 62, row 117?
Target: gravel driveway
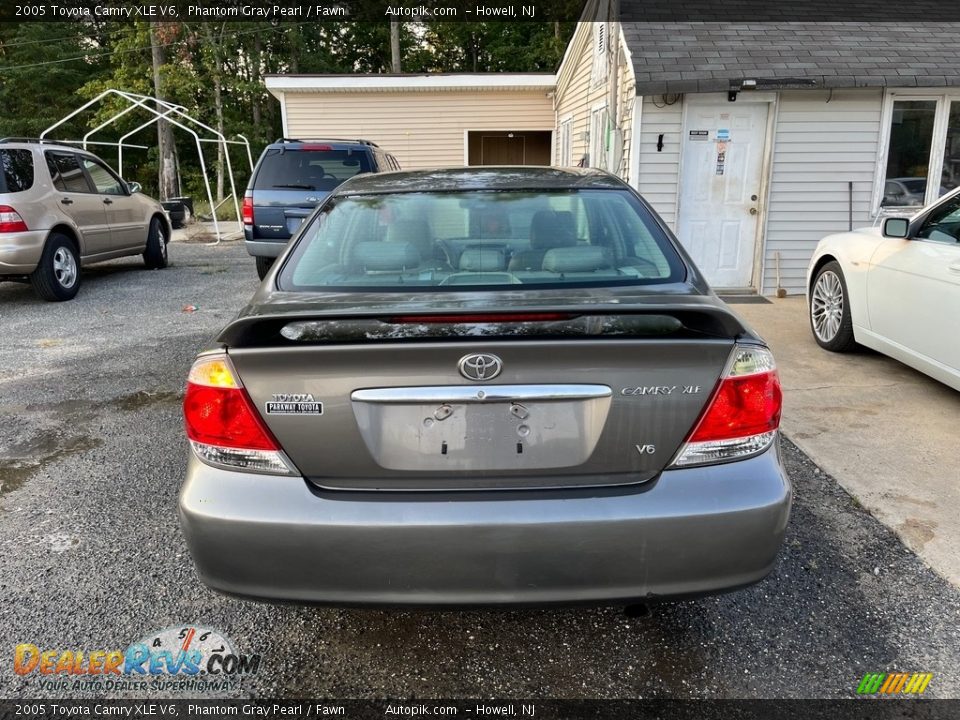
column 91, row 457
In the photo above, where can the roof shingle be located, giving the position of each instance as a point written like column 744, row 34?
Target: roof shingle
column 714, row 56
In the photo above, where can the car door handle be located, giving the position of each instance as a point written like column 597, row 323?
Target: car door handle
column 107, row 201
column 955, row 268
column 67, row 201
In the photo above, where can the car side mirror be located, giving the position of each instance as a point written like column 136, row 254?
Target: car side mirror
column 896, row 227
column 135, row 187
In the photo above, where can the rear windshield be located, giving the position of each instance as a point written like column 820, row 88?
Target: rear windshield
column 17, row 173
column 481, row 240
column 286, row 169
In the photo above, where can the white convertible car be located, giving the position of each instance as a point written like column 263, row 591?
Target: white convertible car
column 896, row 290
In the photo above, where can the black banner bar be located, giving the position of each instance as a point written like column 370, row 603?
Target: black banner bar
column 323, row 11
column 854, row 709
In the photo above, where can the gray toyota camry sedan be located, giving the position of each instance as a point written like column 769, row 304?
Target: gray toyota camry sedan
column 484, row 386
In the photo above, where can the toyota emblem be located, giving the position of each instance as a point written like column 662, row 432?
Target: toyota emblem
column 480, row 366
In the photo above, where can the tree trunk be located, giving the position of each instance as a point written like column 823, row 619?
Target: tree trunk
column 255, row 82
column 395, row 48
column 217, row 78
column 167, row 173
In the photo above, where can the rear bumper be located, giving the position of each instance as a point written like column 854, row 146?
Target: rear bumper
column 264, row 248
column 20, row 252
column 695, row 531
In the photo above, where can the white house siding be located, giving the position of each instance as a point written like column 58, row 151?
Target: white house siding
column 421, row 129
column 575, row 94
column 659, row 172
column 626, row 101
column 822, row 142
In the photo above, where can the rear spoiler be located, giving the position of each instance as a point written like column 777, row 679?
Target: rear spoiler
column 673, row 320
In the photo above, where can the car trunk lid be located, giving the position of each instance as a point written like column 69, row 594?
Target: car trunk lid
column 581, row 396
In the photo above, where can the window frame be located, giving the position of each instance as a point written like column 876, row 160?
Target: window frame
column 565, row 141
column 599, row 42
column 91, row 188
column 599, row 128
column 4, row 185
column 937, row 151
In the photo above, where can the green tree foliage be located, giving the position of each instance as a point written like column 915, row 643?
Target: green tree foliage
column 42, row 65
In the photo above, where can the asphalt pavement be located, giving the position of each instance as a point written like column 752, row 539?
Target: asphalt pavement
column 92, row 455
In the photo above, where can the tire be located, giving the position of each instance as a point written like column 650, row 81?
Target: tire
column 155, row 256
column 263, row 266
column 57, row 277
column 829, row 310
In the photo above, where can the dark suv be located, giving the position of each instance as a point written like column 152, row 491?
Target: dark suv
column 291, row 178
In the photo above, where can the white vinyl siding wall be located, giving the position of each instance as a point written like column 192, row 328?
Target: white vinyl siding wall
column 660, row 171
column 422, row 129
column 625, row 102
column 819, row 147
column 575, row 96
column 578, row 96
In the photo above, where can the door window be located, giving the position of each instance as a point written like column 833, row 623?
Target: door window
column 105, row 181
column 66, row 173
column 943, row 224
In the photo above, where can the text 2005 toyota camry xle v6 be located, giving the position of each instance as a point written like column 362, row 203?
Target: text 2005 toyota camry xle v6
column 495, row 385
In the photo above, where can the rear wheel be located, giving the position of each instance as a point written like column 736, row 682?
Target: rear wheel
column 57, row 276
column 155, row 256
column 263, row 266
column 830, row 310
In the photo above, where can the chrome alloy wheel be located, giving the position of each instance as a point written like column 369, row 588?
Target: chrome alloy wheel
column 163, row 243
column 826, row 306
column 65, row 267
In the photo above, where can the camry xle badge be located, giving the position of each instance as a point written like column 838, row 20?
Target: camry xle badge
column 294, row 404
column 660, row 390
column 480, row 366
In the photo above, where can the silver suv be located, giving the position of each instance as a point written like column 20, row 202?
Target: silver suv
column 62, row 207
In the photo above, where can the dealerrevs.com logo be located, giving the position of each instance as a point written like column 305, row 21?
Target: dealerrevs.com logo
column 184, row 657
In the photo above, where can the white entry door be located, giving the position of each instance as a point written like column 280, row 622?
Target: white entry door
column 720, row 186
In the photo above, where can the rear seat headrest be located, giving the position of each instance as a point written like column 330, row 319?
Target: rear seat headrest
column 550, row 229
column 586, row 258
column 476, row 259
column 386, row 256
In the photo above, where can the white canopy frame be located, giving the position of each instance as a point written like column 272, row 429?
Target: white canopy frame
column 163, row 110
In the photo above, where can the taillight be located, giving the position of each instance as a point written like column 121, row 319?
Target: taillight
column 247, row 210
column 310, row 148
column 10, row 220
column 222, row 424
column 743, row 415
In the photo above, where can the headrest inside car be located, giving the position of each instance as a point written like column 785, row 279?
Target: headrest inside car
column 577, row 259
column 386, row 256
column 551, row 229
column 483, row 259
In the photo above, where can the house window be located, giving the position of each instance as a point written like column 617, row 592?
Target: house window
column 566, row 143
column 598, row 72
column 923, row 151
column 599, row 137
